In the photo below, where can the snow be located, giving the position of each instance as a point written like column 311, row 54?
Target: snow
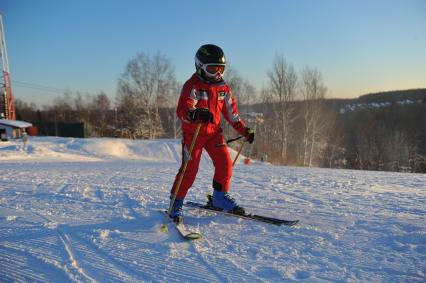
column 373, row 105
column 15, row 123
column 86, row 210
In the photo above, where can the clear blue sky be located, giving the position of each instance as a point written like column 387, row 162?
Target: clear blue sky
column 84, row 45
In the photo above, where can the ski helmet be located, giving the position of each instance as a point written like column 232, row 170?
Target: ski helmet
column 210, row 62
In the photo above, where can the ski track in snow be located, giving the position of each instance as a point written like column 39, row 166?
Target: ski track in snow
column 75, row 210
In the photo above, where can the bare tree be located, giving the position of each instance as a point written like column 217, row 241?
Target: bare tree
column 164, row 89
column 243, row 91
column 81, row 106
column 25, row 111
column 313, row 91
column 166, row 92
column 62, row 107
column 100, row 108
column 283, row 81
column 146, row 82
column 128, row 112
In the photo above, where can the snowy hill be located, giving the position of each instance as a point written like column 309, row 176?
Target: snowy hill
column 84, row 210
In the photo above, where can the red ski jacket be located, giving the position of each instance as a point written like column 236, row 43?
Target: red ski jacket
column 217, row 97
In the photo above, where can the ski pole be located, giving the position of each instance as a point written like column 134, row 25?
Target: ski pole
column 239, row 151
column 185, row 164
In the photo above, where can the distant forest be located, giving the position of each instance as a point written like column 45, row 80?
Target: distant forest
column 381, row 131
column 295, row 123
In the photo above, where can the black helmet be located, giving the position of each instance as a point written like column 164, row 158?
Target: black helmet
column 210, row 62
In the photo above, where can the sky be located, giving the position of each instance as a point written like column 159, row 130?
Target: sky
column 359, row 46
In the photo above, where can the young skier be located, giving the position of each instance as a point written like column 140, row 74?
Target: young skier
column 204, row 97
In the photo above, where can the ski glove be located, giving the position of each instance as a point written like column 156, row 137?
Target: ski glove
column 200, row 115
column 249, row 135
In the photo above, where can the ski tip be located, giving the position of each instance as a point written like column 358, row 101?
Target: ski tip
column 193, row 236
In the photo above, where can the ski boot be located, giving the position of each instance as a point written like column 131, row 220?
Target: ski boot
column 176, row 213
column 223, row 201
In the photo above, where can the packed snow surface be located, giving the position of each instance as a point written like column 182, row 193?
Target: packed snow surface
column 87, row 210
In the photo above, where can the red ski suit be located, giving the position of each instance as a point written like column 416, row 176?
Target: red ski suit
column 218, row 98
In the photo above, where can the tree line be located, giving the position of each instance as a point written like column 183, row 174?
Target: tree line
column 294, row 121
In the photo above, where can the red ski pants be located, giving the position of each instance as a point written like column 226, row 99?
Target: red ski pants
column 217, row 149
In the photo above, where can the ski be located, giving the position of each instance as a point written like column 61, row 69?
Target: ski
column 249, row 216
column 182, row 230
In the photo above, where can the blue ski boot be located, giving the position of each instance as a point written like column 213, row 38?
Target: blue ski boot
column 224, row 201
column 176, row 213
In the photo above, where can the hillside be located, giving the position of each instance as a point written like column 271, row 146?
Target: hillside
column 86, row 210
column 394, row 96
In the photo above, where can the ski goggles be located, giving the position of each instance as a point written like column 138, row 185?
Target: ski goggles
column 214, row 69
column 211, row 69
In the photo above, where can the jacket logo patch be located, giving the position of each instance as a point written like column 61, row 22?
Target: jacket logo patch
column 221, row 95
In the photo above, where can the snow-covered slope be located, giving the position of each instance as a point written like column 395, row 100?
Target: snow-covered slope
column 84, row 210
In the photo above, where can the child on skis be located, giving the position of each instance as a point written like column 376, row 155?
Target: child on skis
column 204, row 97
